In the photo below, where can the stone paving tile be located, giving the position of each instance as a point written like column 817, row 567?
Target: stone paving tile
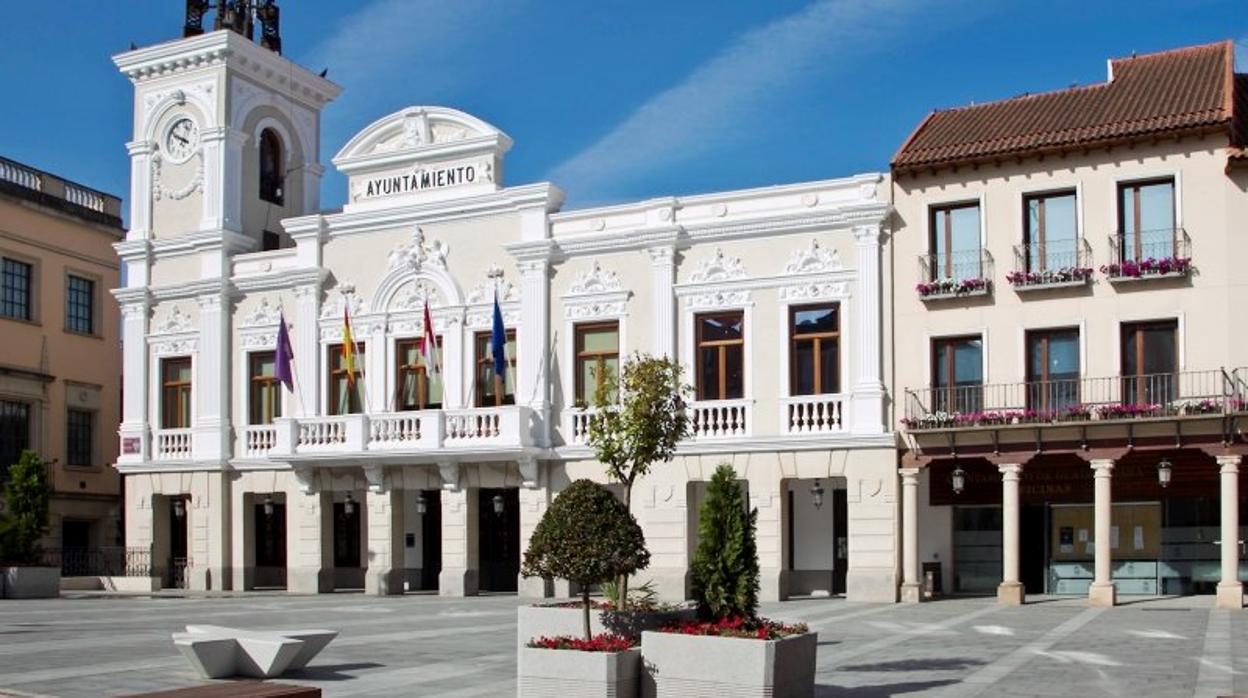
column 423, row 645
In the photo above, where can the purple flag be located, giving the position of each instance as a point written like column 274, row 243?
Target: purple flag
column 282, row 371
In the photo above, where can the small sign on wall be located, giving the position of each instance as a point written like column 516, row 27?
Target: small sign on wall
column 130, row 445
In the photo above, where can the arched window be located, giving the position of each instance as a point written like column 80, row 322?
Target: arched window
column 272, row 172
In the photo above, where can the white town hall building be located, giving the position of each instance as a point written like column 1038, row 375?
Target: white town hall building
column 771, row 298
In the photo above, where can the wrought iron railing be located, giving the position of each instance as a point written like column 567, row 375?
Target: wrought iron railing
column 1149, row 253
column 100, row 562
column 958, row 273
column 1182, row 393
column 1057, row 262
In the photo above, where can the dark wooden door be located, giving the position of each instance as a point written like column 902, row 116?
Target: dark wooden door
column 499, row 534
column 431, row 541
column 840, row 526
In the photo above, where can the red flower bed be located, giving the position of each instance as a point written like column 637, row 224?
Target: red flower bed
column 606, row 642
column 755, row 628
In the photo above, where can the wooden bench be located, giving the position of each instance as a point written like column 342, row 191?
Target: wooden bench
column 237, row 689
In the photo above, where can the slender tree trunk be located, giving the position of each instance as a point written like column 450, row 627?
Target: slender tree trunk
column 622, row 581
column 585, row 605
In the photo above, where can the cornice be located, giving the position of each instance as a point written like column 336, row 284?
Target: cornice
column 769, row 444
column 191, row 289
column 189, row 243
column 279, row 280
column 132, row 295
column 542, row 196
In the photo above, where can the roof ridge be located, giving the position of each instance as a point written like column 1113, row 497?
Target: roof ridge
column 1153, row 55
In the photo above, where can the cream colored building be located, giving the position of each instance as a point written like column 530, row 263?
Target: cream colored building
column 770, row 297
column 1068, row 344
column 60, row 365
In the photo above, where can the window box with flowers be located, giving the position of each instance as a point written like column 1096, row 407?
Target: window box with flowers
column 953, row 288
column 1148, row 268
column 1049, row 278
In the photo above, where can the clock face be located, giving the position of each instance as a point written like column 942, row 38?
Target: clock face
column 182, row 140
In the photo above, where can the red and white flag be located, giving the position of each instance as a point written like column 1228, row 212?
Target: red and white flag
column 429, row 346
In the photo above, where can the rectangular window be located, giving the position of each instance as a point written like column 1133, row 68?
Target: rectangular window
column 416, row 389
column 343, row 399
column 1150, row 362
column 487, row 385
column 264, row 392
column 15, row 289
column 954, row 242
column 1050, row 231
column 1147, row 225
column 597, row 361
column 175, row 393
column 80, row 305
column 14, row 433
column 80, row 436
column 814, row 349
column 1052, row 369
column 958, row 374
column 721, row 355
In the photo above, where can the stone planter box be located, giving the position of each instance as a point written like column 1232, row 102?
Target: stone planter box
column 31, row 582
column 696, row 665
column 544, row 673
column 553, row 621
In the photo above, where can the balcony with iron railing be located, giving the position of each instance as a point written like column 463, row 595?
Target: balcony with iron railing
column 1149, row 254
column 957, row 274
column 1073, row 401
column 50, row 190
column 1052, row 264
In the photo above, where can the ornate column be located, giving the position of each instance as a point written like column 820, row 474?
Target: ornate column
column 911, row 587
column 461, row 562
column 868, row 398
column 135, row 445
column 212, row 379
column 385, row 574
column 1103, row 593
column 663, row 279
column 532, row 340
column 1010, row 592
column 1230, row 589
column 140, row 189
column 223, row 158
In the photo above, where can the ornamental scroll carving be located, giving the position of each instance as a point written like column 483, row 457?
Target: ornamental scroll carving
column 718, row 268
column 812, row 259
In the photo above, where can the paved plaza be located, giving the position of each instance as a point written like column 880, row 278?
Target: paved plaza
column 102, row 645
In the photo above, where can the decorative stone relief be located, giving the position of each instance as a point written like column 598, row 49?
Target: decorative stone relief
column 416, row 253
column 343, row 298
column 483, row 292
column 196, row 184
column 176, row 321
column 414, row 295
column 595, row 309
column 446, row 132
column 264, row 314
column 717, row 299
column 482, row 317
column 595, row 280
column 178, row 345
column 815, row 290
column 718, row 268
column 815, row 258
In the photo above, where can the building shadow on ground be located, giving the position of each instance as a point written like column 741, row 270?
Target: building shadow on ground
column 882, row 690
column 950, row 664
column 330, row 672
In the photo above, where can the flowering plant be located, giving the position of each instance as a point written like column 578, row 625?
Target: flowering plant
column 603, row 642
column 957, row 287
column 1204, row 406
column 1077, row 411
column 1150, row 266
column 738, row 626
column 1049, row 276
column 1124, row 411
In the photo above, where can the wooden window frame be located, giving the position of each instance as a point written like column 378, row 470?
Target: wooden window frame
column 1045, row 379
column 581, row 355
column 951, row 364
column 176, row 396
column 1137, row 328
column 1136, row 185
column 947, row 210
column 1040, row 235
column 818, row 338
column 481, row 345
column 722, row 354
column 257, row 383
column 74, row 430
column 71, row 306
column 401, row 369
column 334, row 372
column 27, row 305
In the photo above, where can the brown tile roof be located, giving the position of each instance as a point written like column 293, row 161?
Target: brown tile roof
column 1187, row 89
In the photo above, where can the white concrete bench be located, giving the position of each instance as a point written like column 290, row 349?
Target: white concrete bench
column 217, row 652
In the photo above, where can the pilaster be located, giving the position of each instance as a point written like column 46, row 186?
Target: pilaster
column 460, row 552
column 140, row 189
column 533, row 354
column 306, row 341
column 385, row 573
column 133, row 431
column 535, row 497
column 309, row 536
column 223, row 165
column 770, row 536
column 868, row 399
column 212, row 379
column 662, row 285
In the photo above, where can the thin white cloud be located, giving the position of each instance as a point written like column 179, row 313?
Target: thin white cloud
column 715, row 101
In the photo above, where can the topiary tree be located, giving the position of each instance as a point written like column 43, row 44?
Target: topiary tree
column 26, row 495
column 588, row 537
column 639, row 421
column 725, row 567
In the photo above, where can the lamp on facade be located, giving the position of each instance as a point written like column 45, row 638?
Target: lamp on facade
column 816, row 494
column 179, row 508
column 498, row 504
column 348, row 506
column 1163, row 472
column 268, row 505
column 421, row 507
column 958, row 480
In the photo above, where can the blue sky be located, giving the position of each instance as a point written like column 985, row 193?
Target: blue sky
column 612, row 100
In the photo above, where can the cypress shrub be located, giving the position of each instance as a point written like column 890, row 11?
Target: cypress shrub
column 725, row 567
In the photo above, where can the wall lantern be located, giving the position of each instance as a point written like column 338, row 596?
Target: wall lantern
column 179, row 508
column 1163, row 472
column 498, row 504
column 958, row 480
column 268, row 505
column 816, row 494
column 421, row 507
column 348, row 506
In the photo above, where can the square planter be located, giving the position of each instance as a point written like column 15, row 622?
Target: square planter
column 31, row 582
column 568, row 673
column 697, row 665
column 552, row 621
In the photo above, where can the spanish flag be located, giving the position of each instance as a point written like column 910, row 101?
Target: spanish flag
column 348, row 350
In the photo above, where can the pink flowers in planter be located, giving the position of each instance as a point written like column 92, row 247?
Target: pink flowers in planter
column 952, row 287
column 755, row 628
column 603, row 642
column 1127, row 411
column 1061, row 275
column 1150, row 266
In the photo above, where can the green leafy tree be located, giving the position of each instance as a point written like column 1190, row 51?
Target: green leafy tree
column 587, row 537
column 725, row 567
column 26, row 495
column 640, row 419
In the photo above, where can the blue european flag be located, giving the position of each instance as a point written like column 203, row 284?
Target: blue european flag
column 498, row 342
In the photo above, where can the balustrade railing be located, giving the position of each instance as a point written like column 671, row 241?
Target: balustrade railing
column 576, row 424
column 19, row 174
column 322, row 432
column 173, row 444
column 812, row 414
column 398, row 429
column 717, row 419
column 424, row 430
column 259, row 439
column 84, row 197
column 474, row 424
column 1181, row 394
